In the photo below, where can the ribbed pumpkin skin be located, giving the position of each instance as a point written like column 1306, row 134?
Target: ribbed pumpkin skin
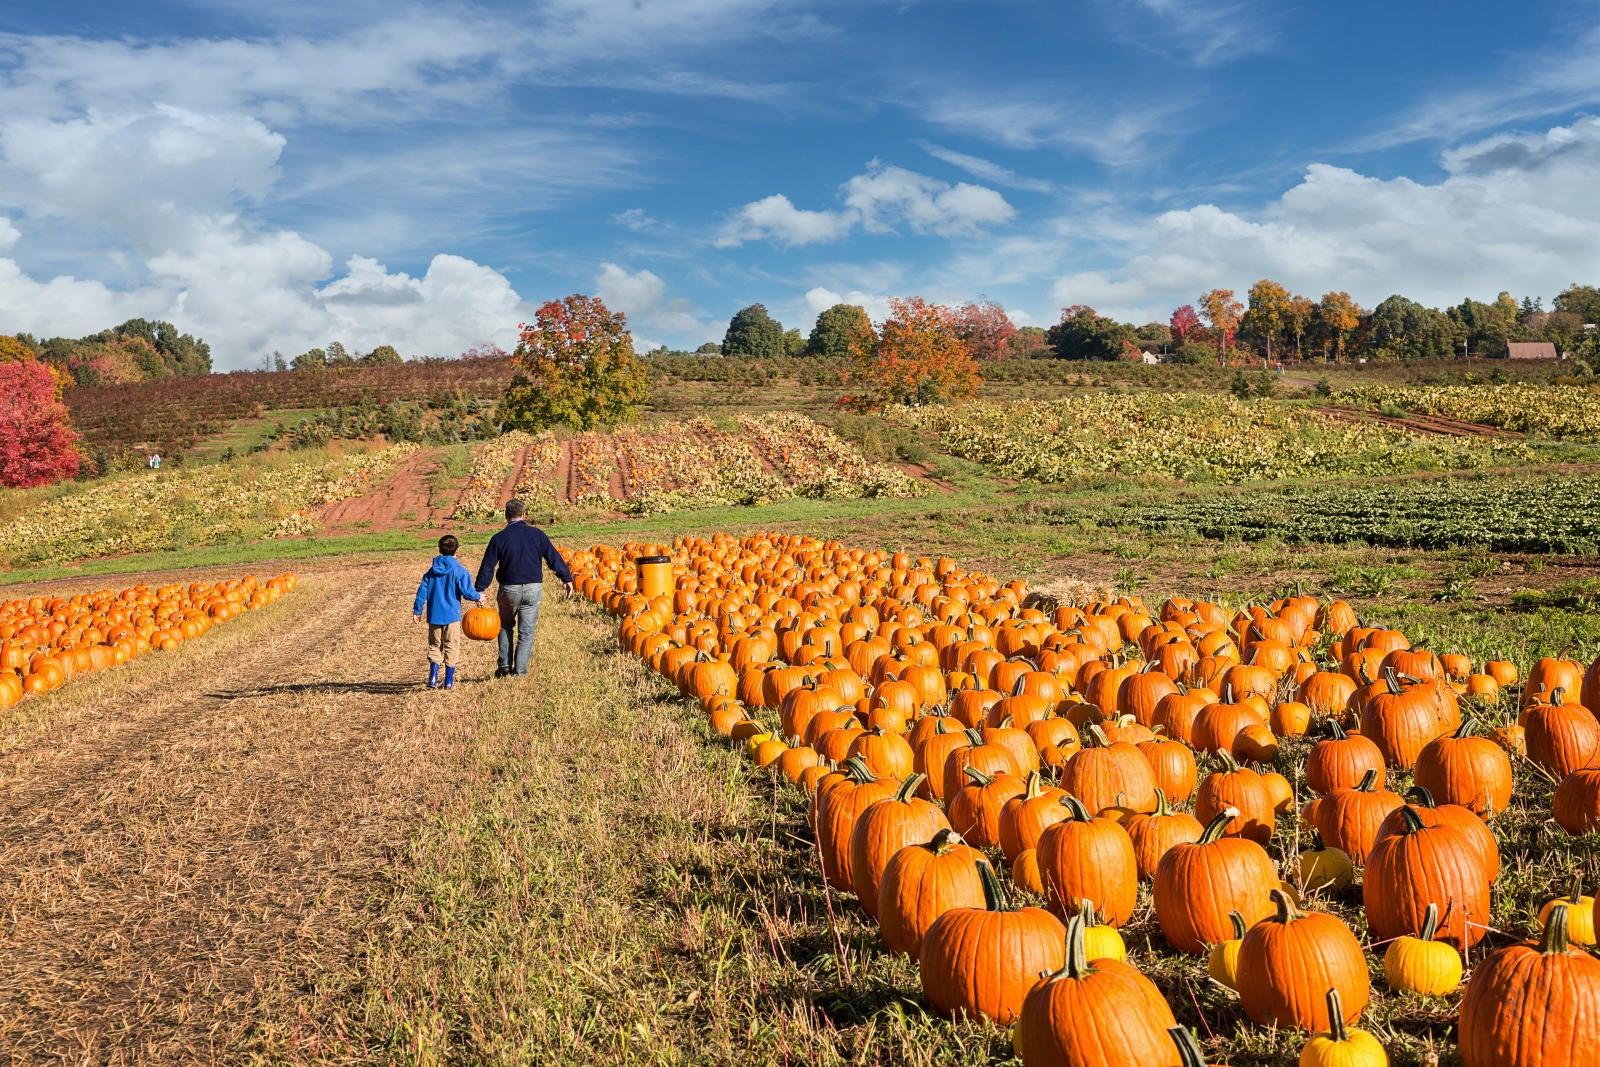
column 1408, row 871
column 1091, row 861
column 883, row 830
column 481, row 624
column 836, row 813
column 1286, row 969
column 1173, row 768
column 1348, row 819
column 1197, row 885
column 1455, row 816
column 1341, row 762
column 1024, row 818
column 1577, row 801
column 1471, row 771
column 982, row 962
column 1112, row 1017
column 1528, row 1008
column 1241, row 788
column 1154, row 835
column 975, row 809
column 1561, row 738
column 1108, row 776
column 921, row 883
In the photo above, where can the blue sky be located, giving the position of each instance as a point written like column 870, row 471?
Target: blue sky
column 425, row 176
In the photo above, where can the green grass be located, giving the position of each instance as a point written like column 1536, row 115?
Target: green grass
column 242, row 435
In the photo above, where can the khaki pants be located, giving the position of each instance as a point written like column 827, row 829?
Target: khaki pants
column 444, row 644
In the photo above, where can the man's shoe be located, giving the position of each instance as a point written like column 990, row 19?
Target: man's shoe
column 501, row 672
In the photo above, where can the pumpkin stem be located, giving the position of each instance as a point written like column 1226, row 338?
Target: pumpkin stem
column 1558, row 696
column 1430, row 922
column 1237, row 921
column 1228, row 762
column 1077, row 963
column 944, row 841
column 1075, row 808
column 976, row 775
column 1412, row 821
column 1219, row 822
column 1336, row 1028
column 857, row 768
column 1287, row 912
column 1097, row 735
column 994, row 894
column 1368, row 780
column 909, row 787
column 1336, row 731
column 1422, row 796
column 1161, row 804
column 1554, row 942
column 974, row 736
column 1189, row 1053
column 1086, row 909
column 1577, row 888
column 1392, row 680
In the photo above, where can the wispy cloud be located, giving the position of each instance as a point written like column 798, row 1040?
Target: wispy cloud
column 1109, row 131
column 1202, row 33
column 988, row 170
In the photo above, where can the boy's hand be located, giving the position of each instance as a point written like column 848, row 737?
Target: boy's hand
column 416, row 616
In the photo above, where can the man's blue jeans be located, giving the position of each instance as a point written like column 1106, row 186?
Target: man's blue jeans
column 519, row 608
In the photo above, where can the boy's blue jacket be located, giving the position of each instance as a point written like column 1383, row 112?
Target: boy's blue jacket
column 443, row 588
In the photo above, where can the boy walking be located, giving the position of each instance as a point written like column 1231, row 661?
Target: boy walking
column 445, row 585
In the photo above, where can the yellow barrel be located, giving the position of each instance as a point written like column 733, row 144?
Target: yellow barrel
column 655, row 576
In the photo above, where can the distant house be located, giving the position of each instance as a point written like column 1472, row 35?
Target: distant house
column 1150, row 352
column 1530, row 350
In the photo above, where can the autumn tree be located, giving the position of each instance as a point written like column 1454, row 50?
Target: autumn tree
column 37, row 444
column 753, row 332
column 383, row 355
column 1337, row 315
column 575, row 366
column 986, row 328
column 1084, row 333
column 1029, row 342
column 1222, row 313
column 14, row 350
column 920, row 358
column 1298, row 316
column 1184, row 324
column 1267, row 314
column 843, row 331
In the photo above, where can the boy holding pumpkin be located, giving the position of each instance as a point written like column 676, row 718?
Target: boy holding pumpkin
column 445, row 585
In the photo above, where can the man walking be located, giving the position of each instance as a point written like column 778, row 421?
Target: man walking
column 516, row 557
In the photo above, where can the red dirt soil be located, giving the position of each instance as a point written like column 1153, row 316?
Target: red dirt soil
column 402, row 502
column 1430, row 424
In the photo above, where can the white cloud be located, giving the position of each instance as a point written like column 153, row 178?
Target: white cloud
column 886, row 195
column 880, row 200
column 1200, row 32
column 1513, row 213
column 819, row 298
column 642, row 296
column 636, row 219
column 775, row 218
column 9, row 234
column 986, row 169
column 1108, row 129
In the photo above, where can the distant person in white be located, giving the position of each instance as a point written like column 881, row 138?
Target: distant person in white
column 155, row 461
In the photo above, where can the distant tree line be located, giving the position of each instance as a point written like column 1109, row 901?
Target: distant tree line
column 139, row 350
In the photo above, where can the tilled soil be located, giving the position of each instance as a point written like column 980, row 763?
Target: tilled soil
column 183, row 833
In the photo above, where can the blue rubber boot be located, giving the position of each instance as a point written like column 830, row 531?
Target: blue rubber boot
column 433, row 676
column 449, row 677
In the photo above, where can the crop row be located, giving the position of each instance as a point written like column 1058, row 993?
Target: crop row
column 1200, row 438
column 1540, row 410
column 147, row 511
column 1500, row 513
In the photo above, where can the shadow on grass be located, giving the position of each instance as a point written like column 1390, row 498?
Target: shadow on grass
column 376, row 688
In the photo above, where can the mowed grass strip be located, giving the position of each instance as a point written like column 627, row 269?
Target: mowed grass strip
column 605, row 885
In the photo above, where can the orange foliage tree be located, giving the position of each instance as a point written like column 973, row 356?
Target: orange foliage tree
column 920, row 358
column 1222, row 313
column 575, row 367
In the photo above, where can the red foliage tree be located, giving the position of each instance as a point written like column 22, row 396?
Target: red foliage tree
column 920, row 359
column 37, row 445
column 986, row 328
column 1185, row 322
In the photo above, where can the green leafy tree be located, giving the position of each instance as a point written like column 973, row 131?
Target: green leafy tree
column 310, row 359
column 1580, row 300
column 843, row 331
column 794, row 343
column 710, row 348
column 1400, row 328
column 1084, row 333
column 382, row 355
column 1030, row 342
column 753, row 332
column 575, row 366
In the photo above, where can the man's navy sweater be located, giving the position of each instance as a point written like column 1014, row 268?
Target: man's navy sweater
column 518, row 552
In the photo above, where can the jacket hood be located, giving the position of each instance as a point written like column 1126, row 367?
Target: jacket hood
column 442, row 565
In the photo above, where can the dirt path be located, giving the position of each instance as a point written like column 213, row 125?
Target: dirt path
column 203, row 826
column 403, row 501
column 1427, row 424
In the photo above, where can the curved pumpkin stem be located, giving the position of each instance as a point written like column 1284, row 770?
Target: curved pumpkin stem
column 1161, row 804
column 1077, row 962
column 1189, row 1053
column 1219, row 822
column 1230, row 765
column 1075, row 809
column 1412, row 822
column 1086, row 910
column 1335, row 731
column 857, row 768
column 1336, row 1028
column 1430, row 922
column 1554, row 941
column 1368, row 781
column 1287, row 912
column 1035, row 786
column 1097, row 735
column 994, row 894
column 973, row 735
column 1558, row 696
column 909, row 787
column 1237, row 922
column 1422, row 796
column 944, row 841
column 1392, row 680
column 977, row 776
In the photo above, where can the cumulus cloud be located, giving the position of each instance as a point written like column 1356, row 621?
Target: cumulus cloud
column 1514, row 211
column 819, row 298
column 775, row 218
column 880, row 200
column 636, row 219
column 642, row 296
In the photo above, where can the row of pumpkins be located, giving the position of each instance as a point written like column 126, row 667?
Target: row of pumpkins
column 46, row 642
column 934, row 715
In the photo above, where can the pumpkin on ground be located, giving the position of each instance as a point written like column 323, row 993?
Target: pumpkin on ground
column 1527, row 1005
column 1288, row 962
